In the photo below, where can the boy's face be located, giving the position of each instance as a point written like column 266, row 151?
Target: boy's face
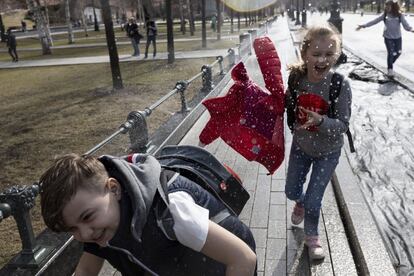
column 93, row 216
column 319, row 58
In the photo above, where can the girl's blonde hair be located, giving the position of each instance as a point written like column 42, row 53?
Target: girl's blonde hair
column 315, row 32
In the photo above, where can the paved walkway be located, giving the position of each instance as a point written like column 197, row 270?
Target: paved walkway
column 105, row 59
column 280, row 248
column 126, row 42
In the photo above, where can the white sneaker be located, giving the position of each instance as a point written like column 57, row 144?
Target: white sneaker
column 314, row 247
column 390, row 73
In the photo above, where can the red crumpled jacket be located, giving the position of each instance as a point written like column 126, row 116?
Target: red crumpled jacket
column 248, row 118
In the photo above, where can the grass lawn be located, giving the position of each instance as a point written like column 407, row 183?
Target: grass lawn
column 49, row 111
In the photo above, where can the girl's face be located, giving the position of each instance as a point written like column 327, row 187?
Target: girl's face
column 319, row 58
column 388, row 7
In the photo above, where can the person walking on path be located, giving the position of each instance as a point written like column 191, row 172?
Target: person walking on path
column 12, row 45
column 214, row 22
column 392, row 18
column 151, row 37
column 24, row 26
column 133, row 33
column 317, row 124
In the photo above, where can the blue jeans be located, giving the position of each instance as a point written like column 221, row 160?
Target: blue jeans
column 135, row 46
column 322, row 170
column 393, row 50
column 150, row 39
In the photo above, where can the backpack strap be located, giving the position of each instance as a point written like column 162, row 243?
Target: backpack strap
column 290, row 102
column 164, row 218
column 334, row 90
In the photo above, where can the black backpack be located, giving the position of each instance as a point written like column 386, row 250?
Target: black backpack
column 200, row 166
column 334, row 90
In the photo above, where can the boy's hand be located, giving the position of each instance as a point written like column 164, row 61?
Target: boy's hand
column 312, row 118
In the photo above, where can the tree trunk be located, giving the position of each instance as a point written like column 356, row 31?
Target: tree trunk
column 141, row 19
column 218, row 10
column 71, row 39
column 85, row 27
column 41, row 25
column 191, row 17
column 110, row 40
column 170, row 34
column 203, row 24
column 2, row 31
column 231, row 21
column 182, row 19
column 49, row 36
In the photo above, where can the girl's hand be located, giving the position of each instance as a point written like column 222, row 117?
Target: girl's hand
column 359, row 27
column 313, row 118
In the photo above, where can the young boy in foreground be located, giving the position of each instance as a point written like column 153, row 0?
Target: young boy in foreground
column 112, row 206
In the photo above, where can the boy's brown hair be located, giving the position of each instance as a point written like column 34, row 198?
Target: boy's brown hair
column 62, row 180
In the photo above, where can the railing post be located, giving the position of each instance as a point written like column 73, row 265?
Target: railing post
column 245, row 42
column 20, row 200
column 136, row 126
column 232, row 57
column 253, row 33
column 181, row 86
column 220, row 61
column 5, row 211
column 207, row 79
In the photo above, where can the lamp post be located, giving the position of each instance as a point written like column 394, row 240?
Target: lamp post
column 297, row 13
column 303, row 13
column 336, row 20
column 95, row 19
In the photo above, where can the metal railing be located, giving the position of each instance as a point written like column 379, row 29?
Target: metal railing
column 18, row 200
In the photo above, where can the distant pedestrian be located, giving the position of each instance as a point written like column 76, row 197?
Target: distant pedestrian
column 12, row 45
column 151, row 37
column 134, row 35
column 392, row 18
column 24, row 26
column 214, row 22
column 318, row 124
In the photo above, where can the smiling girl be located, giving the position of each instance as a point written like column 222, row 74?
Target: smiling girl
column 317, row 127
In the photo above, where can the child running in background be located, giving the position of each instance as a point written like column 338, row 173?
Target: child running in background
column 392, row 18
column 114, row 207
column 317, row 132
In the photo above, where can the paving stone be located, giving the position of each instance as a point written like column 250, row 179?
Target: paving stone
column 277, row 229
column 278, row 185
column 260, row 212
column 276, row 249
column 277, row 212
column 260, row 236
column 277, row 198
column 261, row 256
column 275, row 268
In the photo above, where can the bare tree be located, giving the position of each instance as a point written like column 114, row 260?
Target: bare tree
column 71, row 38
column 46, row 9
column 182, row 19
column 82, row 16
column 191, row 17
column 41, row 25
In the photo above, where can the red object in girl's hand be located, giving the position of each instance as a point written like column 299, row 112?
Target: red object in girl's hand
column 248, row 118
